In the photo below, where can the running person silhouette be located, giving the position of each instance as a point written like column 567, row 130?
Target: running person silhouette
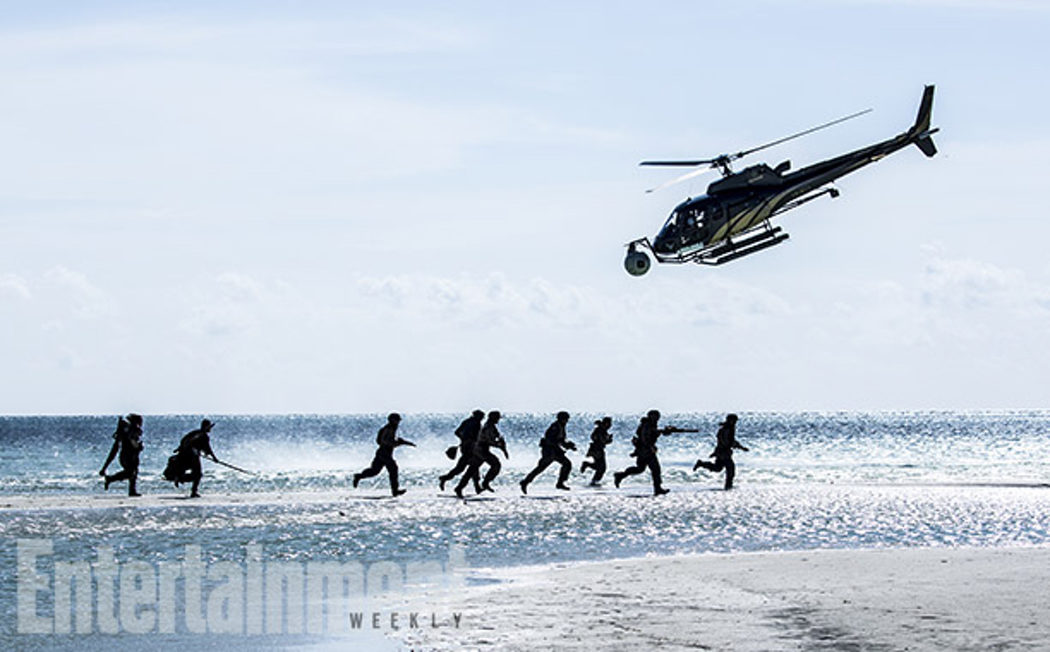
column 387, row 440
column 723, row 453
column 552, row 449
column 600, row 438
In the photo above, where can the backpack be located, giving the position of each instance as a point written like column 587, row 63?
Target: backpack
column 173, row 469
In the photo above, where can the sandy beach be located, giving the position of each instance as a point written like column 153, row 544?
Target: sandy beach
column 117, row 499
column 905, row 599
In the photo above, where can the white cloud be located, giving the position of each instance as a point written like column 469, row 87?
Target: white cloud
column 493, row 301
column 325, row 213
column 974, row 285
column 240, row 287
column 12, row 285
column 90, row 301
column 230, row 305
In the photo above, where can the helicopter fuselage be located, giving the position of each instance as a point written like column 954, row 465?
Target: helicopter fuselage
column 732, row 219
column 746, row 199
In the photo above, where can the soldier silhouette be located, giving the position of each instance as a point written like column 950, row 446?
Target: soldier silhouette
column 185, row 464
column 387, row 440
column 644, row 441
column 467, row 432
column 127, row 440
column 552, row 449
column 723, row 453
column 600, row 438
column 488, row 439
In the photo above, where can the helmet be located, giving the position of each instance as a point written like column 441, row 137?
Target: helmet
column 653, row 415
column 477, row 414
column 563, row 416
column 394, row 416
column 206, row 425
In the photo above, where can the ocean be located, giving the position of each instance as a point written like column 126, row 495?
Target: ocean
column 810, row 481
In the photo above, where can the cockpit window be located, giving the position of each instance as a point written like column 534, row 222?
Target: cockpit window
column 684, row 227
column 685, row 219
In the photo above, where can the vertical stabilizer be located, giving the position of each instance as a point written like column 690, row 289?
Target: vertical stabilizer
column 921, row 131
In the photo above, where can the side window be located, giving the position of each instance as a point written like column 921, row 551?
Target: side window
column 693, row 220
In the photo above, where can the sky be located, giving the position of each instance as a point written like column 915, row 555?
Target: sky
column 330, row 207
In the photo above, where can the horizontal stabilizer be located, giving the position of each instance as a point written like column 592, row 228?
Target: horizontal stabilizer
column 926, row 145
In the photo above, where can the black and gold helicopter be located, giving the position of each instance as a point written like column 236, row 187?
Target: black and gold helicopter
column 732, row 219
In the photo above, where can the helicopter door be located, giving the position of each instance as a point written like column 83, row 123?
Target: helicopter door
column 715, row 216
column 691, row 227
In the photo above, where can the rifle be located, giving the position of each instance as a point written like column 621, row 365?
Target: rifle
column 671, row 430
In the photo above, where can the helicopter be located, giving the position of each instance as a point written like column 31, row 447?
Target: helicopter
column 732, row 219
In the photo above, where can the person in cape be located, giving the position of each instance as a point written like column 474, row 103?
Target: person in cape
column 185, row 464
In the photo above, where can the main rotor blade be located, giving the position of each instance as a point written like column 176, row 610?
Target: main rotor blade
column 688, row 175
column 680, row 163
column 801, row 133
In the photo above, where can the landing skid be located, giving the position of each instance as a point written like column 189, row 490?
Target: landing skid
column 745, row 244
column 742, row 244
column 724, row 251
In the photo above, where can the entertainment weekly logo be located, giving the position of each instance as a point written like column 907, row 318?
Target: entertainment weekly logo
column 223, row 597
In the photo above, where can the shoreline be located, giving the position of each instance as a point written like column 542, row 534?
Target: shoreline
column 341, row 494
column 895, row 598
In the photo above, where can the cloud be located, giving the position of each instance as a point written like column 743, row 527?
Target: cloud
column 974, row 285
column 494, row 301
column 218, row 321
column 253, row 342
column 977, row 301
column 240, row 287
column 12, row 285
column 89, row 300
column 230, row 305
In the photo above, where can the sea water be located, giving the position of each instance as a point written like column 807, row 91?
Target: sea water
column 810, row 480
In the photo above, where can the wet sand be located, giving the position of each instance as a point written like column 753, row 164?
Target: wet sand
column 907, row 599
column 120, row 499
